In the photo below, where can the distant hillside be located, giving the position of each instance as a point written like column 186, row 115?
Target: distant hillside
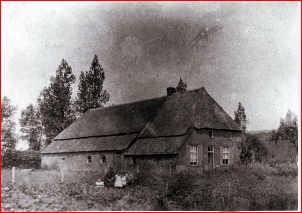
column 280, row 151
column 258, row 132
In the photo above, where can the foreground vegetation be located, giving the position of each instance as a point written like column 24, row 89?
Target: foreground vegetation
column 255, row 187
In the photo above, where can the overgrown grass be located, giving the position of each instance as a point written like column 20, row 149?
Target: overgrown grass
column 255, row 187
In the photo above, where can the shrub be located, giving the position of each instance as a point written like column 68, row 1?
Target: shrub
column 252, row 146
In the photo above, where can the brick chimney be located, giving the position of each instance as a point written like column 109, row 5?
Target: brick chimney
column 170, row 91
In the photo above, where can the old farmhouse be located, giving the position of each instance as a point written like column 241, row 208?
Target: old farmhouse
column 189, row 129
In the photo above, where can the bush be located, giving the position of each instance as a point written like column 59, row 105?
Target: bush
column 180, row 184
column 21, row 159
column 251, row 147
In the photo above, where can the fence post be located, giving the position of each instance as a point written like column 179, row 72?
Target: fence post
column 167, row 188
column 13, row 174
column 62, row 175
column 229, row 195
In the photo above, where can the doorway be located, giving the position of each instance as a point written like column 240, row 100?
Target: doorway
column 210, row 157
column 117, row 162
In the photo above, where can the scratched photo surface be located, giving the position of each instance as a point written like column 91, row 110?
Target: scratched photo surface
column 150, row 106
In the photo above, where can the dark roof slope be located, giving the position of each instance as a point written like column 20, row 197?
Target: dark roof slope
column 114, row 120
column 156, row 146
column 183, row 110
column 110, row 143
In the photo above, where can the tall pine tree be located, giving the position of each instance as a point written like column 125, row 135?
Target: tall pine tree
column 90, row 91
column 181, row 86
column 240, row 117
column 55, row 102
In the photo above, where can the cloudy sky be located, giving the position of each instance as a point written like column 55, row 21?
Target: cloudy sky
column 252, row 57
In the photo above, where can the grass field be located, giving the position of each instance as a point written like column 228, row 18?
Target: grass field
column 34, row 177
column 255, row 187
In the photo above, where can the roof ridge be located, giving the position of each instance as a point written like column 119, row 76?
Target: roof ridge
column 150, row 99
column 98, row 136
column 133, row 102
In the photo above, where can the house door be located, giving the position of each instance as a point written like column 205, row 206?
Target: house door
column 117, row 161
column 210, row 157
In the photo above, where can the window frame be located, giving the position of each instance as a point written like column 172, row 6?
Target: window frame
column 194, row 155
column 89, row 159
column 211, row 134
column 102, row 159
column 225, row 152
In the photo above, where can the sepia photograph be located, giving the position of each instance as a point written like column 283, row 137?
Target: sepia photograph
column 150, row 106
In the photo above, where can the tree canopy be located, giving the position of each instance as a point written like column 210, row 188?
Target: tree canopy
column 31, row 127
column 8, row 137
column 287, row 130
column 55, row 102
column 90, row 90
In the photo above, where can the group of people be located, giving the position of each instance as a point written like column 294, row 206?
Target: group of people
column 119, row 180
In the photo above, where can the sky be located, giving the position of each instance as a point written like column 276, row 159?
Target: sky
column 145, row 47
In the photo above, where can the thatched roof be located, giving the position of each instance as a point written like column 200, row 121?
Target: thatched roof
column 113, row 120
column 161, row 124
column 156, row 146
column 178, row 114
column 112, row 143
column 183, row 110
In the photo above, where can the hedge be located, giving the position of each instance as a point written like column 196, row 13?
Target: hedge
column 21, row 159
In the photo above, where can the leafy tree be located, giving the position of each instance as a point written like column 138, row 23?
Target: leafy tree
column 8, row 137
column 181, row 86
column 90, row 90
column 252, row 146
column 240, row 117
column 55, row 102
column 31, row 127
column 288, row 129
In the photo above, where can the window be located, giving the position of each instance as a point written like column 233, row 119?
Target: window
column 211, row 156
column 210, row 134
column 226, row 155
column 62, row 159
column 133, row 160
column 193, row 155
column 103, row 159
column 88, row 159
column 210, row 149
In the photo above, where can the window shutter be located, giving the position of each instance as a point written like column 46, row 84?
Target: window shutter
column 221, row 155
column 187, row 155
column 231, row 155
column 200, row 155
